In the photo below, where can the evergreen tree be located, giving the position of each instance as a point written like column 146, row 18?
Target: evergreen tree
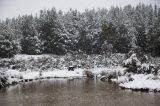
column 93, row 31
column 123, row 44
column 156, row 45
column 54, row 42
column 108, row 35
column 30, row 41
column 8, row 47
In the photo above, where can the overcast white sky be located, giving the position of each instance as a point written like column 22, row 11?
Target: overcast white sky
column 12, row 8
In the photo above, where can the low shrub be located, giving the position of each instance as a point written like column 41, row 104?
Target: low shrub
column 3, row 80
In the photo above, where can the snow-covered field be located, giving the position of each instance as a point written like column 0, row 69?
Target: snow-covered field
column 77, row 73
column 33, row 75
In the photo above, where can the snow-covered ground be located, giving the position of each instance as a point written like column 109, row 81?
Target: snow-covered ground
column 143, row 82
column 77, row 73
column 12, row 74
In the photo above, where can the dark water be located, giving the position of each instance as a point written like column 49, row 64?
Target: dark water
column 74, row 93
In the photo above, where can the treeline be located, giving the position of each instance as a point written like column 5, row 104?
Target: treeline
column 116, row 30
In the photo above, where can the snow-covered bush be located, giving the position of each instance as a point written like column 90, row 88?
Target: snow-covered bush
column 89, row 73
column 103, row 73
column 108, row 75
column 132, row 63
column 146, row 68
column 8, row 47
column 137, row 63
column 52, row 62
column 3, row 79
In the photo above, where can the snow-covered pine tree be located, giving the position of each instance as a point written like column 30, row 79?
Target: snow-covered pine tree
column 30, row 42
column 52, row 32
column 8, row 47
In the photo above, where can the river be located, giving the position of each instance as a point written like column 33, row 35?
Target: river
column 78, row 92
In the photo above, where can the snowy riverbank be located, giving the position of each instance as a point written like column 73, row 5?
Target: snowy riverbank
column 138, row 82
column 143, row 82
column 24, row 68
column 15, row 75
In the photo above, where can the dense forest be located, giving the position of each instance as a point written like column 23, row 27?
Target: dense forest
column 100, row 31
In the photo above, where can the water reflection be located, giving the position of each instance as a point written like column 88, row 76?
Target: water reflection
column 74, row 93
